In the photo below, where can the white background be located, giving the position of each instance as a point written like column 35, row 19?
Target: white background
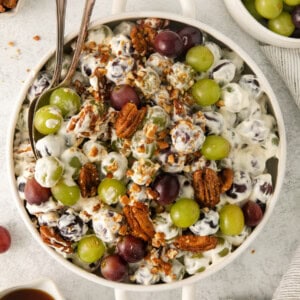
column 254, row 275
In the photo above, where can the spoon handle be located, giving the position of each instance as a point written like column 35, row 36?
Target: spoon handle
column 60, row 15
column 89, row 4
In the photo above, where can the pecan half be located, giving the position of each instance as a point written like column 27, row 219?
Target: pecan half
column 207, row 187
column 88, row 180
column 226, row 179
column 54, row 240
column 195, row 243
column 137, row 216
column 129, row 119
column 142, row 37
column 9, row 3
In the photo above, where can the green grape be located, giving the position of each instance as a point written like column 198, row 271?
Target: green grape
column 185, row 212
column 90, row 249
column 282, row 25
column 292, row 2
column 249, row 4
column 231, row 219
column 48, row 171
column 269, row 9
column 110, row 189
column 48, row 119
column 200, row 58
column 215, row 147
column 67, row 100
column 206, row 92
column 287, row 7
column 66, row 194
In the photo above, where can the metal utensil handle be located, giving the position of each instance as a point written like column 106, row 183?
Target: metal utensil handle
column 89, row 5
column 188, row 7
column 60, row 13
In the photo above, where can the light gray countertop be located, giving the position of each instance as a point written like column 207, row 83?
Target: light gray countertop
column 253, row 275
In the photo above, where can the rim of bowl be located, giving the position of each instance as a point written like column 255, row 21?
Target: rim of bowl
column 214, row 267
column 248, row 23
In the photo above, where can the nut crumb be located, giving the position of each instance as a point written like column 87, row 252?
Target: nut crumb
column 36, row 37
column 11, row 44
column 252, row 251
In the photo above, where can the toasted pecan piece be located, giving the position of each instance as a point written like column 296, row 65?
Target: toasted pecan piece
column 54, row 240
column 129, row 120
column 137, row 216
column 207, row 187
column 226, row 179
column 195, row 243
column 88, row 180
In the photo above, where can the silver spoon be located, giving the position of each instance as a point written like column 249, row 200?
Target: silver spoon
column 44, row 98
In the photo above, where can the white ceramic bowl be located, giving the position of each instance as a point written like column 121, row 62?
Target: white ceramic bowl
column 259, row 32
column 277, row 172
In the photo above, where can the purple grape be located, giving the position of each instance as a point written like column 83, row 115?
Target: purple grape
column 296, row 33
column 296, row 16
column 191, row 37
column 35, row 193
column 131, row 249
column 114, row 268
column 252, row 213
column 122, row 94
column 167, row 186
column 5, row 239
column 168, row 43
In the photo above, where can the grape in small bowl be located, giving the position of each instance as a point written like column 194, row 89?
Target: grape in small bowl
column 278, row 27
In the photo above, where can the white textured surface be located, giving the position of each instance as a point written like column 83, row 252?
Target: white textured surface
column 254, row 275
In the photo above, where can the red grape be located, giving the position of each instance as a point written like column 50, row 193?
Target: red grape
column 168, row 43
column 167, row 186
column 191, row 37
column 113, row 267
column 296, row 33
column 35, row 193
column 122, row 94
column 5, row 239
column 252, row 213
column 131, row 249
column 296, row 16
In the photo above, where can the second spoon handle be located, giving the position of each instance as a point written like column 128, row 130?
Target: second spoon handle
column 60, row 12
column 89, row 4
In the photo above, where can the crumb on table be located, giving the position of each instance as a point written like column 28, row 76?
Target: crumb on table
column 11, row 43
column 36, row 37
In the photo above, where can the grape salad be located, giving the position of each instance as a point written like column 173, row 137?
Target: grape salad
column 153, row 163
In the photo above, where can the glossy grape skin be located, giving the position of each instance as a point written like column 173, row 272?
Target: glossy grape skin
column 168, row 43
column 110, row 189
column 131, row 249
column 231, row 219
column 35, row 193
column 90, row 249
column 296, row 16
column 200, row 58
column 67, row 100
column 122, row 94
column 206, row 92
column 185, row 212
column 114, row 268
column 269, row 9
column 253, row 213
column 5, row 239
column 190, row 36
column 249, row 4
column 292, row 2
column 167, row 186
column 48, row 119
column 282, row 25
column 215, row 147
column 66, row 194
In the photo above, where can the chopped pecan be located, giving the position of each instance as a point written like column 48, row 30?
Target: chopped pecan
column 137, row 216
column 226, row 179
column 88, row 180
column 195, row 243
column 9, row 3
column 54, row 240
column 128, row 120
column 142, row 37
column 159, row 240
column 207, row 187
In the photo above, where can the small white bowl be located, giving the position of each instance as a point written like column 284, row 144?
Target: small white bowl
column 13, row 11
column 43, row 284
column 241, row 15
